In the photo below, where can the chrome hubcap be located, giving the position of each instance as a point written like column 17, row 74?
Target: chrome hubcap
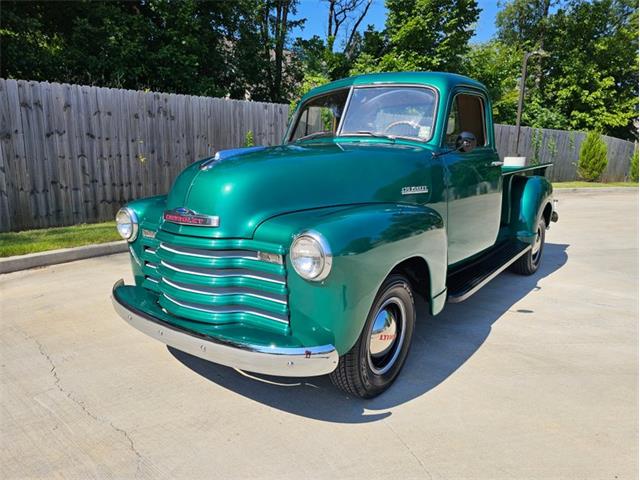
column 537, row 243
column 386, row 335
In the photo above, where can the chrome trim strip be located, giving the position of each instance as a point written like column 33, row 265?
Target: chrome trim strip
column 493, row 275
column 164, row 246
column 135, row 255
column 255, row 277
column 204, row 292
column 207, row 310
column 267, row 360
column 347, row 102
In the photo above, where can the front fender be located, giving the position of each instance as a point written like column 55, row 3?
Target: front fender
column 149, row 211
column 530, row 195
column 367, row 242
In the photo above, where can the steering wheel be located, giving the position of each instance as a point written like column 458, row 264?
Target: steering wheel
column 411, row 123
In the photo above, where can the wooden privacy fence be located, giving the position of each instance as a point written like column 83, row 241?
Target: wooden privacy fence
column 74, row 154
column 562, row 148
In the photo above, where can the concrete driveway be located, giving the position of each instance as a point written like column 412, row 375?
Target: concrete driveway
column 531, row 378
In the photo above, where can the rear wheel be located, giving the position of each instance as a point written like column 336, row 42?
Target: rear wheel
column 376, row 359
column 528, row 263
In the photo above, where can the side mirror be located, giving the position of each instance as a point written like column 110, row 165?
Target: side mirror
column 466, row 142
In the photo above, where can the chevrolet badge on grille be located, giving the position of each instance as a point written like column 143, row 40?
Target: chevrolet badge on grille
column 184, row 216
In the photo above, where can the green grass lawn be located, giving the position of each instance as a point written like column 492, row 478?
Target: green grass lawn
column 593, row 184
column 31, row 241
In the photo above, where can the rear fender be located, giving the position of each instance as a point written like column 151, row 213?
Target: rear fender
column 367, row 242
column 529, row 197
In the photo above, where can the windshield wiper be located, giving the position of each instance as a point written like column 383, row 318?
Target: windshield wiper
column 314, row 134
column 375, row 134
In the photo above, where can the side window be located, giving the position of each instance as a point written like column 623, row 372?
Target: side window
column 320, row 115
column 467, row 115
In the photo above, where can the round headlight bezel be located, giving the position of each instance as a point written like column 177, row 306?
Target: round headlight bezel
column 133, row 219
column 325, row 255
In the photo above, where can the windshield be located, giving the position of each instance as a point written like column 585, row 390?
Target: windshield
column 405, row 112
column 394, row 111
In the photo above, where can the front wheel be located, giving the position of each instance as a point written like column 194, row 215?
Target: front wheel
column 528, row 263
column 376, row 359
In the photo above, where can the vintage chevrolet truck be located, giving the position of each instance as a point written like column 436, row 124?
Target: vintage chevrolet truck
column 305, row 258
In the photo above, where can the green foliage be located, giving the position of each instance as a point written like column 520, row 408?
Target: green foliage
column 633, row 170
column 536, row 145
column 248, row 139
column 497, row 66
column 593, row 157
column 589, row 80
column 310, row 81
column 428, row 34
column 242, row 49
column 188, row 46
column 552, row 148
column 523, row 22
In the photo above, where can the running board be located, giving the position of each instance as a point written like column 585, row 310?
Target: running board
column 468, row 280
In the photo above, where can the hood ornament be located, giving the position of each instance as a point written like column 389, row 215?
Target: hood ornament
column 224, row 154
column 184, row 216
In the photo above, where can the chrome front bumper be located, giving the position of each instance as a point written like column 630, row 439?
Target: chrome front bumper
column 268, row 360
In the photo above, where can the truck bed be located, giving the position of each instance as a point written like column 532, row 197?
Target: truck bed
column 528, row 169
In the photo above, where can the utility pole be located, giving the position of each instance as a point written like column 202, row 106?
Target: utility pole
column 523, row 85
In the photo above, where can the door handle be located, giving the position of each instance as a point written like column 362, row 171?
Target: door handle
column 497, row 164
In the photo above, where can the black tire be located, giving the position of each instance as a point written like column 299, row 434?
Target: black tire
column 364, row 374
column 528, row 263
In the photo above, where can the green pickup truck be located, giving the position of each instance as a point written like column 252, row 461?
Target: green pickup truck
column 305, row 258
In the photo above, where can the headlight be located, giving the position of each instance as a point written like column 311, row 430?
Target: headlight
column 127, row 224
column 311, row 256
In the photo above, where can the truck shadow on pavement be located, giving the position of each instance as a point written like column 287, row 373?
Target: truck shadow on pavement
column 441, row 345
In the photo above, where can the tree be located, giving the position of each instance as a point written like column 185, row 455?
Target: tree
column 590, row 78
column 279, row 69
column 497, row 66
column 189, row 46
column 347, row 15
column 588, row 81
column 429, row 34
column 523, row 22
column 593, row 157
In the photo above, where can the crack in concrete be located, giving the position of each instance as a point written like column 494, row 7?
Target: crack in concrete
column 424, row 467
column 54, row 373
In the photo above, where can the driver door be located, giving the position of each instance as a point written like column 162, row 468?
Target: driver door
column 474, row 179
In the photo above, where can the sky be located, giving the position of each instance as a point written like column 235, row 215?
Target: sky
column 316, row 13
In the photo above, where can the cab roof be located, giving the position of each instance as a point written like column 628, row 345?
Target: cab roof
column 440, row 80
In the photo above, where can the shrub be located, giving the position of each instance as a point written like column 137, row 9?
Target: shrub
column 248, row 139
column 633, row 171
column 593, row 157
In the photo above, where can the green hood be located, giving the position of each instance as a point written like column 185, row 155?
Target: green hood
column 246, row 187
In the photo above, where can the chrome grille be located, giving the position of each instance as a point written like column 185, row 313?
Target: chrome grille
column 218, row 281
